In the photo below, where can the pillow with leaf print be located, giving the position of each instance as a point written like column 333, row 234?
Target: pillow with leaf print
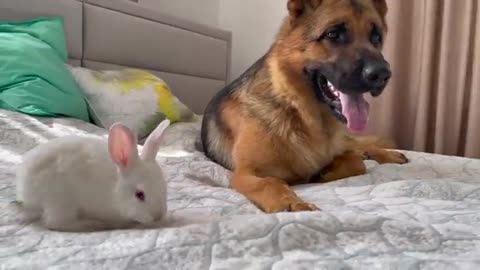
column 135, row 97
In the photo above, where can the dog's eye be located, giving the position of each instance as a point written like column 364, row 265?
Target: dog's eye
column 337, row 34
column 333, row 35
column 376, row 37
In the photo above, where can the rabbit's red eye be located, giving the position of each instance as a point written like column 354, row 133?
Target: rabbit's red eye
column 140, row 195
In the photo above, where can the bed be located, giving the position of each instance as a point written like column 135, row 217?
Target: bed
column 423, row 215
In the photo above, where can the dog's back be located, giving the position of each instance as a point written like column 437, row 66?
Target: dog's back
column 215, row 134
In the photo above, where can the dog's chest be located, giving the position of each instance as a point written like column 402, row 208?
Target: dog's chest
column 309, row 157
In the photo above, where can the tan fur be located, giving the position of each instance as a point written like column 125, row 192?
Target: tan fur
column 275, row 133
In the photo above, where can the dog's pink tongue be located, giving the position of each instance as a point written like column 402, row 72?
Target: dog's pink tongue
column 355, row 109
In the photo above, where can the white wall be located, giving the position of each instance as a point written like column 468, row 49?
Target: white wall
column 254, row 24
column 202, row 11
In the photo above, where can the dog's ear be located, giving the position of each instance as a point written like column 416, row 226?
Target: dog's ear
column 381, row 7
column 298, row 8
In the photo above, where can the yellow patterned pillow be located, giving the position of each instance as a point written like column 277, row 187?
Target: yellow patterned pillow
column 134, row 97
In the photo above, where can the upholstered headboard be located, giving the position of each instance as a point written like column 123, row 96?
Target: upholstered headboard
column 107, row 34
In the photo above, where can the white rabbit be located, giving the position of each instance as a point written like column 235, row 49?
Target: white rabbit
column 86, row 184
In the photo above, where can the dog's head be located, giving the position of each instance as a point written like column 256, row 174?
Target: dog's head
column 337, row 44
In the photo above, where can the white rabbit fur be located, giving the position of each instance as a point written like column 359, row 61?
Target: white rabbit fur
column 86, row 184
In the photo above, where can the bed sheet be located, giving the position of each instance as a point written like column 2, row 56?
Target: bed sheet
column 423, row 215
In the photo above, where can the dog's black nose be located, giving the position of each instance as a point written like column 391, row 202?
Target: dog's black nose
column 376, row 73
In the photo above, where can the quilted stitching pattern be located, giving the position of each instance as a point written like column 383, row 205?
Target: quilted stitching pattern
column 424, row 215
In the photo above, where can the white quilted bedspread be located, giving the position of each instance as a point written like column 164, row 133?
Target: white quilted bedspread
column 424, row 215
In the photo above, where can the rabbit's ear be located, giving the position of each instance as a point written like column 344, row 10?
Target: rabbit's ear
column 152, row 144
column 122, row 145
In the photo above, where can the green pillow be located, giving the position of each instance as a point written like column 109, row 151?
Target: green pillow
column 33, row 76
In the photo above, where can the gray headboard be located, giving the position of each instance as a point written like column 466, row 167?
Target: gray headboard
column 108, row 34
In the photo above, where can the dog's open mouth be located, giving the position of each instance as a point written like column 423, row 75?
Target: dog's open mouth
column 351, row 109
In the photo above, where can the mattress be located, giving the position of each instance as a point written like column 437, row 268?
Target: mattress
column 423, row 215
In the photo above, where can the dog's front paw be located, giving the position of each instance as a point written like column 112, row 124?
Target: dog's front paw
column 386, row 157
column 290, row 205
column 399, row 158
column 303, row 206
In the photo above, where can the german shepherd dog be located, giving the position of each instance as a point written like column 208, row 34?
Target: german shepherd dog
column 289, row 119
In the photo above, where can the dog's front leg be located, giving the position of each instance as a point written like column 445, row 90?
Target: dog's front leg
column 270, row 194
column 373, row 148
column 383, row 156
column 343, row 166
